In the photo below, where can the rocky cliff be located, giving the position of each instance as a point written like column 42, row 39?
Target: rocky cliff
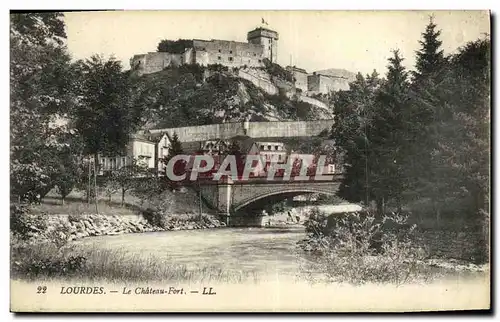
column 194, row 95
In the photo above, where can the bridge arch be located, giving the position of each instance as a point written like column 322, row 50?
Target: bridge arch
column 289, row 192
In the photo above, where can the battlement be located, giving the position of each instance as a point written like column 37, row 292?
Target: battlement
column 262, row 32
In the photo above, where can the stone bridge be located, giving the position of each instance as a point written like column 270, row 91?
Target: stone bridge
column 235, row 200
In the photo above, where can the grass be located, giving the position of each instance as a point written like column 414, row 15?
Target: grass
column 45, row 260
column 75, row 204
column 78, row 207
column 118, row 266
column 320, row 271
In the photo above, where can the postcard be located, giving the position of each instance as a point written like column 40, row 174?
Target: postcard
column 250, row 161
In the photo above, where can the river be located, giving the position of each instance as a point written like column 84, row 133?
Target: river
column 260, row 251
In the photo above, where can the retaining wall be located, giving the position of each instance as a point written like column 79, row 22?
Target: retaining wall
column 254, row 129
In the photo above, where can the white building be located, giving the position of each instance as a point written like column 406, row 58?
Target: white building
column 146, row 148
column 272, row 150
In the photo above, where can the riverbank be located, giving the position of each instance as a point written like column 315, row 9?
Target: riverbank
column 229, row 255
column 212, row 255
column 73, row 227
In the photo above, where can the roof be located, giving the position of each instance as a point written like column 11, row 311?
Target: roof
column 244, row 141
column 263, row 29
column 326, row 75
column 147, row 136
column 140, row 137
column 156, row 137
column 296, row 69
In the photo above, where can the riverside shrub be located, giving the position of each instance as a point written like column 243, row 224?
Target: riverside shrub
column 42, row 259
column 24, row 224
column 36, row 249
column 155, row 217
column 356, row 248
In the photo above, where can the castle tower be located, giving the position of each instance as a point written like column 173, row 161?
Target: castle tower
column 267, row 38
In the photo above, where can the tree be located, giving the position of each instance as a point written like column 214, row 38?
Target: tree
column 174, row 46
column 107, row 112
column 27, row 179
column 68, row 174
column 180, row 166
column 39, row 28
column 457, row 177
column 353, row 110
column 430, row 58
column 110, row 185
column 463, row 149
column 126, row 177
column 148, row 188
column 388, row 135
column 175, row 147
column 41, row 91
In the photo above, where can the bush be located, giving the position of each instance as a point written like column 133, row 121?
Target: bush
column 316, row 224
column 23, row 224
column 57, row 235
column 174, row 46
column 30, row 227
column 148, row 189
column 277, row 71
column 356, row 248
column 196, row 70
column 154, row 217
column 42, row 259
column 49, row 267
column 217, row 68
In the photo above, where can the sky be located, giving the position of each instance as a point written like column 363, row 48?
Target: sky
column 358, row 41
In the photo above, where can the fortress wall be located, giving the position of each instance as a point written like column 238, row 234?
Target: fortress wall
column 201, row 57
column 324, row 84
column 155, row 62
column 313, row 83
column 137, row 61
column 255, row 130
column 313, row 101
column 188, row 56
column 300, row 80
column 205, row 132
column 288, row 129
column 263, row 83
column 229, row 53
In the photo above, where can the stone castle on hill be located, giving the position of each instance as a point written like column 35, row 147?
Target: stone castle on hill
column 262, row 44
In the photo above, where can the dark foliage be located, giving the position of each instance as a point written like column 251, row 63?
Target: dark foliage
column 28, row 25
column 155, row 217
column 276, row 70
column 23, row 223
column 174, row 46
column 408, row 142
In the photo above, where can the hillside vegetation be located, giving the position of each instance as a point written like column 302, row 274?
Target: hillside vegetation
column 194, row 95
